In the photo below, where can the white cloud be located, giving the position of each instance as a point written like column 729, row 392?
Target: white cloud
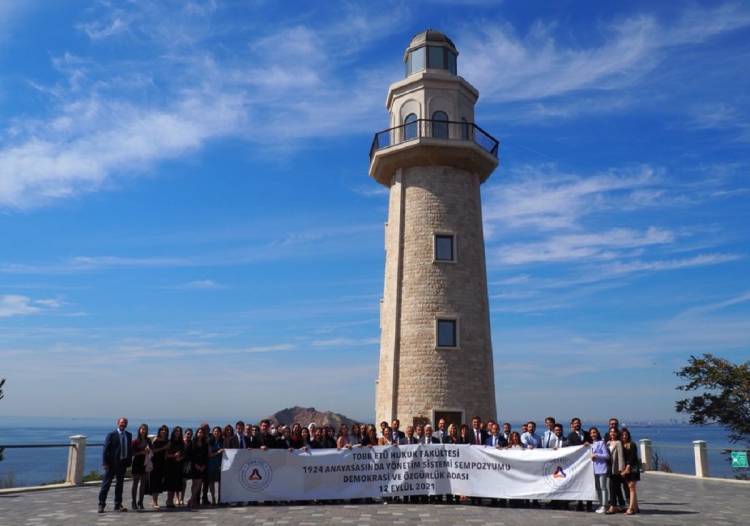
column 270, row 348
column 18, row 305
column 507, row 67
column 120, row 118
column 716, row 306
column 604, row 245
column 345, row 342
column 15, row 305
column 541, row 197
column 701, row 260
column 201, row 284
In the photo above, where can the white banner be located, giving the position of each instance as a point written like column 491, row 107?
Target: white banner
column 383, row 471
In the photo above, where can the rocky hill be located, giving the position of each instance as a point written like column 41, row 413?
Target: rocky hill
column 305, row 415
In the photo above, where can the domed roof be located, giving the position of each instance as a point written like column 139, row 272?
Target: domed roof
column 431, row 36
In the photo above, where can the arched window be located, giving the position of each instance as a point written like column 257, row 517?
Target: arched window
column 410, row 127
column 440, row 125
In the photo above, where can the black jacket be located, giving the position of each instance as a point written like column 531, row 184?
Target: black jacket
column 473, row 436
column 574, row 439
column 111, row 454
column 264, row 439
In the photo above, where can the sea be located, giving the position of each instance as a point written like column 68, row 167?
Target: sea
column 34, row 466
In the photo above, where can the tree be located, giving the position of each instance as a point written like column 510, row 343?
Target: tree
column 725, row 396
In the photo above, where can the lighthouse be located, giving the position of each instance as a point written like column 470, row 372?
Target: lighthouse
column 435, row 344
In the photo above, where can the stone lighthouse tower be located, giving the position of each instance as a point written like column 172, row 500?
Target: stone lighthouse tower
column 435, row 347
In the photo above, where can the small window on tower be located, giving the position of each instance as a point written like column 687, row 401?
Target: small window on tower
column 446, row 333
column 445, row 249
column 410, row 127
column 440, row 125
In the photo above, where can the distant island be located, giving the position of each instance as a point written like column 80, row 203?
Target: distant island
column 306, row 415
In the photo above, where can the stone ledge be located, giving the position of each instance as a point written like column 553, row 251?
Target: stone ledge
column 693, row 477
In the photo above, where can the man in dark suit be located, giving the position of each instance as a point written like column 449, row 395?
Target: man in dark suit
column 578, row 437
column 318, row 441
column 495, row 438
column 478, row 435
column 116, row 457
column 264, row 439
column 238, row 440
column 410, row 438
column 478, row 438
column 396, row 434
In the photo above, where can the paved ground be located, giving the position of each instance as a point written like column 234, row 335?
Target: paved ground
column 664, row 500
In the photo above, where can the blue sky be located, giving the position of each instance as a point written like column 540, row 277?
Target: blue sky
column 187, row 226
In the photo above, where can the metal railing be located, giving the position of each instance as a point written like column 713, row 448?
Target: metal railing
column 434, row 129
column 700, row 454
column 76, row 456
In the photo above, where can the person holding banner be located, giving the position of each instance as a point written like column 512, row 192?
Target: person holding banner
column 515, row 441
column 478, row 435
column 577, row 437
column 558, row 438
column 530, row 439
column 355, row 435
column 319, row 441
column 328, row 437
column 428, row 438
column 506, row 431
column 296, row 438
column 441, row 432
column 549, row 423
column 410, row 438
column 305, row 435
column 396, row 435
column 419, row 432
column 387, row 438
column 343, row 440
column 285, row 441
column 238, row 439
column 495, row 439
column 600, row 458
column 264, row 440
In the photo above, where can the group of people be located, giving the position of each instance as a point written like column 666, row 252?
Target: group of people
column 163, row 463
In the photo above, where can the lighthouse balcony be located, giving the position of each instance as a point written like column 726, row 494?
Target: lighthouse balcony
column 433, row 142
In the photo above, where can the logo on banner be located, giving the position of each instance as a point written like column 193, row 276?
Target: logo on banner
column 256, row 475
column 555, row 473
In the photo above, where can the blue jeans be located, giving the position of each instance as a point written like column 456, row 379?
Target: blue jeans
column 117, row 472
column 602, row 489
